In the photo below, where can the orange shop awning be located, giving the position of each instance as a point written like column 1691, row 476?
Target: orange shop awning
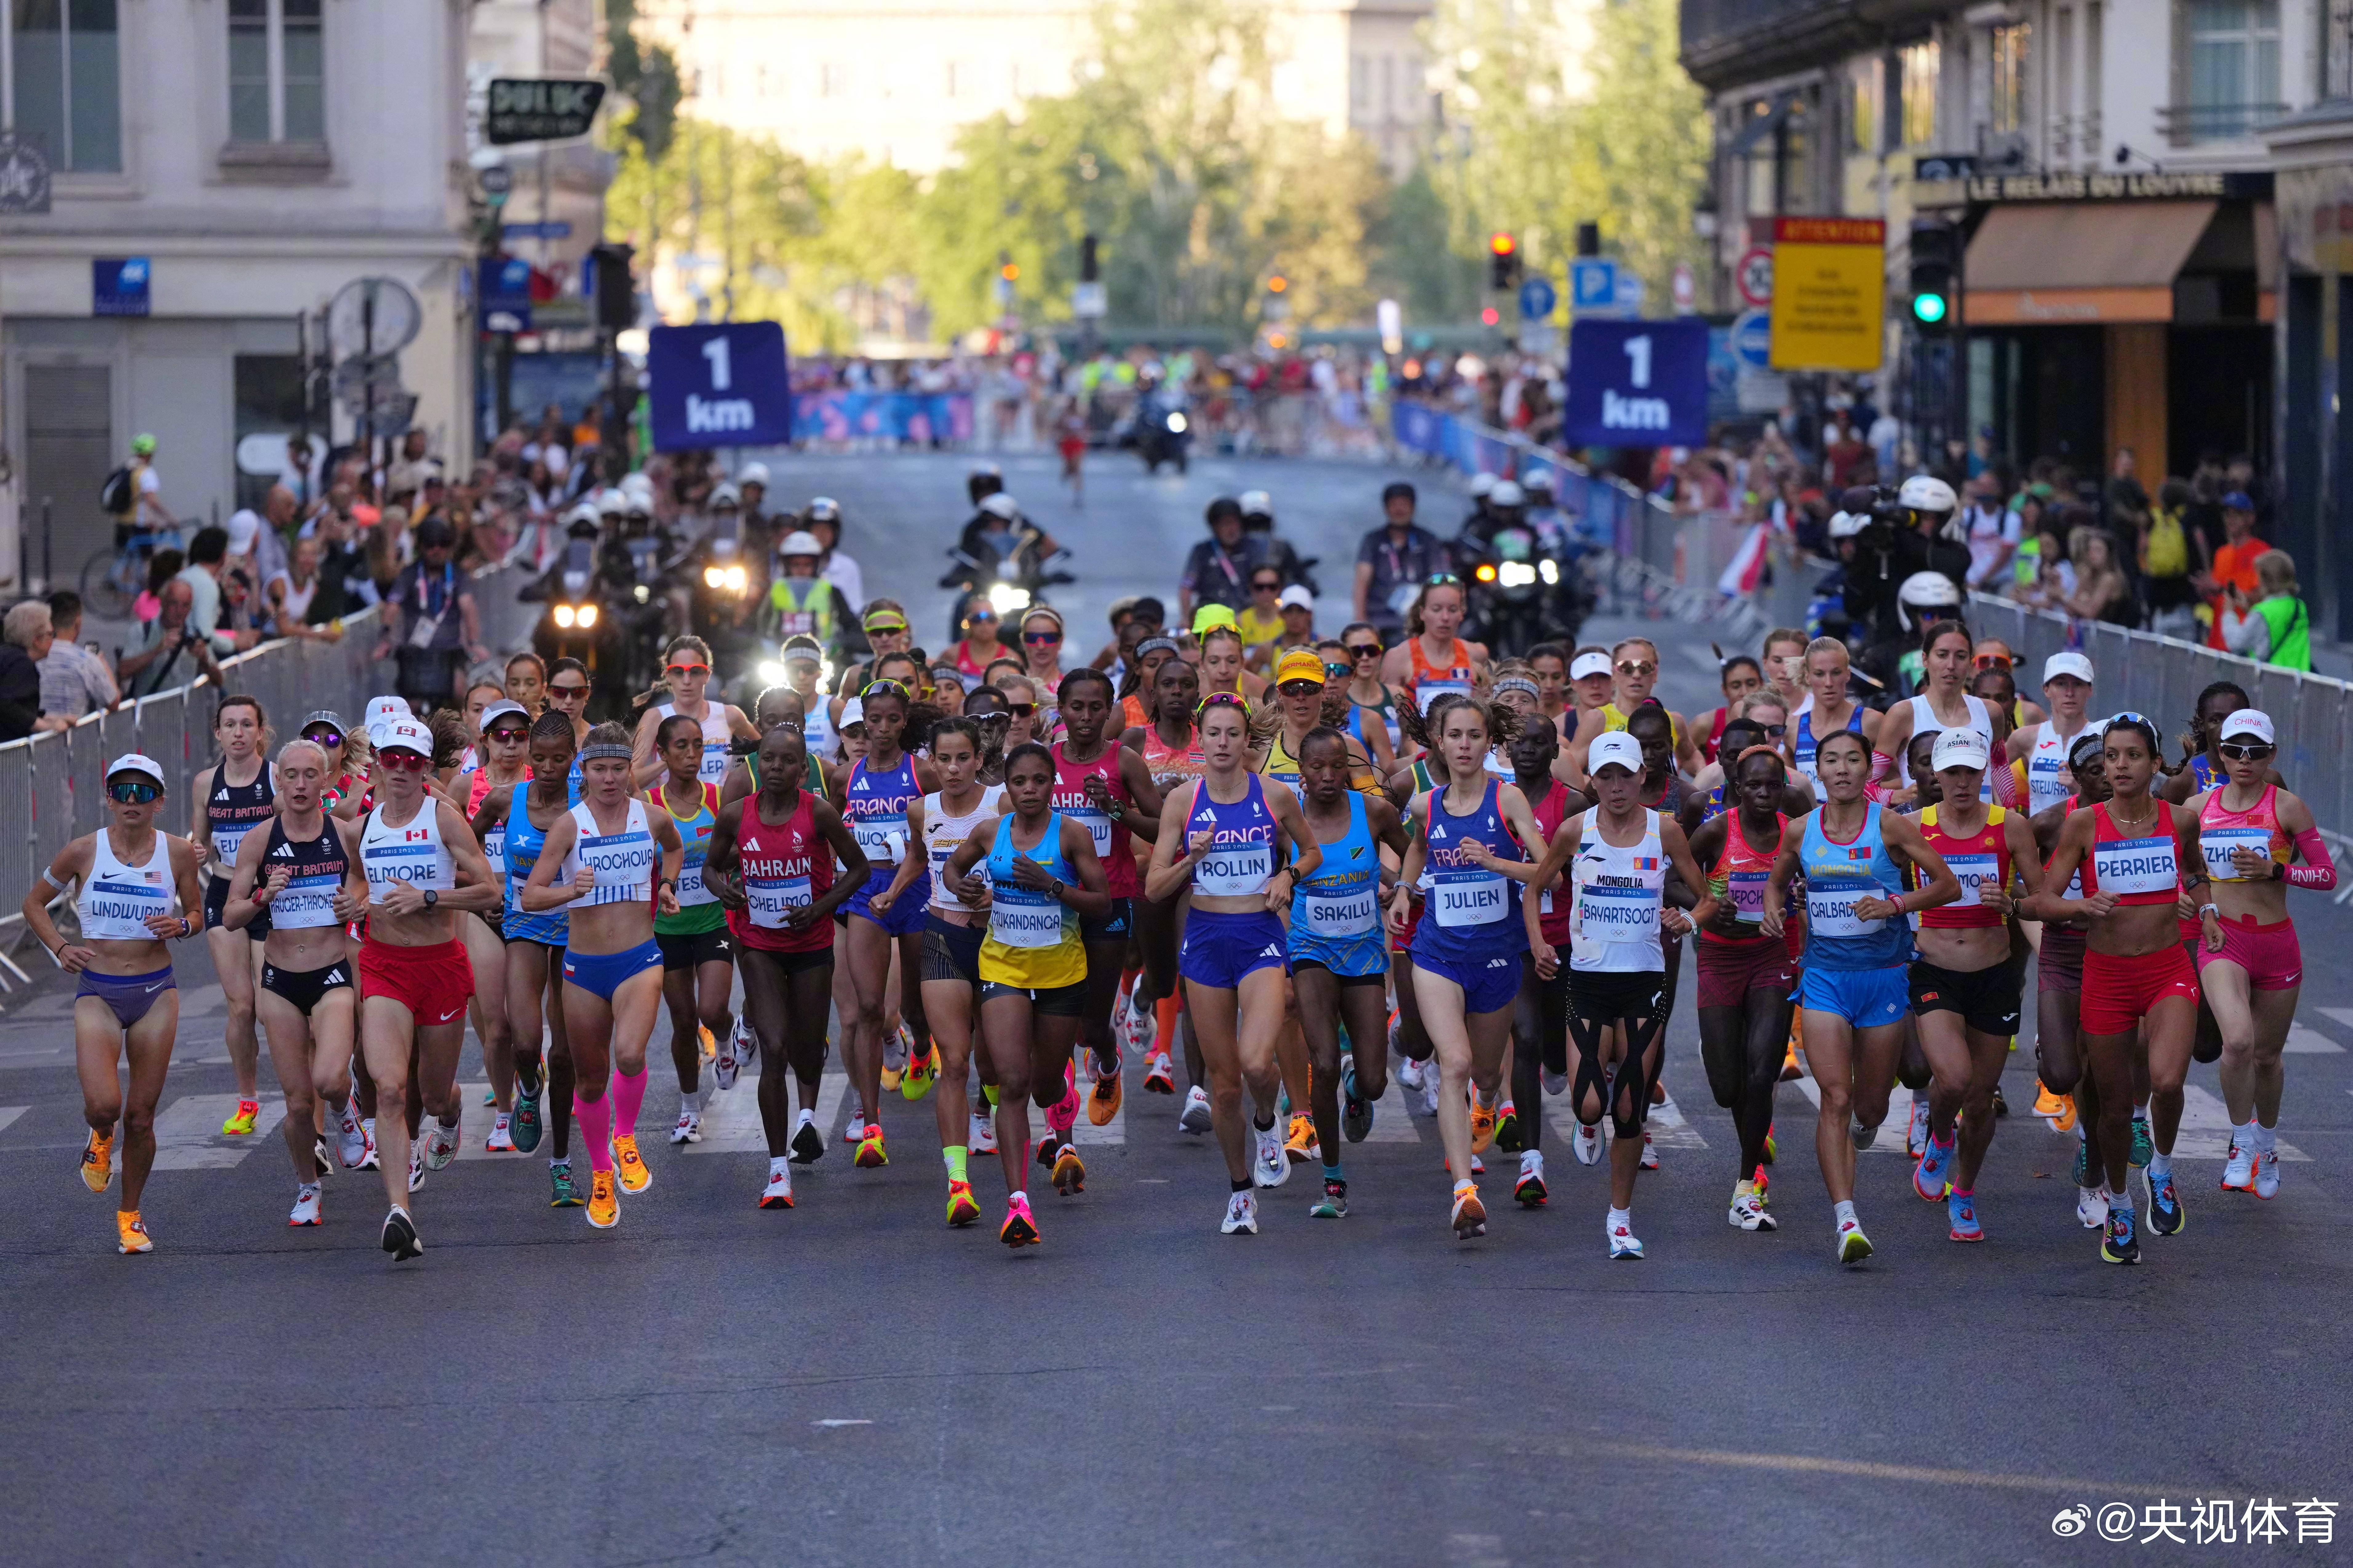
column 2056, row 263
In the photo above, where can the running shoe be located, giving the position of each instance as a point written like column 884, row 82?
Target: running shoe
column 731, row 1062
column 853, row 1131
column 1271, row 1167
column 372, row 1161
column 1300, row 1146
column 1482, row 1125
column 1864, row 1137
column 2083, row 1161
column 870, row 1152
column 2091, row 1208
column 1020, row 1226
column 400, row 1235
column 1160, row 1076
column 440, row 1144
column 1070, row 1172
column 1356, row 1111
column 241, row 1122
column 1935, row 1167
column 688, row 1128
column 1962, row 1217
column 1659, row 1092
column 2166, row 1215
column 604, row 1199
column 1194, row 1117
column 526, row 1126
column 1854, row 1247
column 1431, row 1081
column 808, row 1144
column 417, row 1162
column 983, row 1137
column 2267, row 1173
column 566, row 1196
column 352, row 1143
column 2239, row 1173
column 1748, row 1211
column 1585, row 1144
column 319, row 1165
column 1650, row 1151
column 1409, row 1072
column 1470, row 1215
column 306, row 1204
column 962, row 1208
column 2120, row 1243
column 2067, row 1121
column 1916, row 1136
column 1043, row 1156
column 1790, row 1066
column 1770, row 1152
column 1624, row 1245
column 1529, row 1191
column 778, row 1193
column 1334, row 1204
column 896, row 1048
column 922, row 1073
column 1063, row 1114
column 98, row 1160
column 1478, row 1166
column 2001, row 1106
column 1555, row 1083
column 2047, row 1105
column 2144, row 1147
column 706, row 1041
column 629, row 1165
column 1104, row 1101
column 502, row 1137
column 130, row 1233
column 1507, row 1128
column 1137, row 1026
column 490, row 1096
column 1241, row 1215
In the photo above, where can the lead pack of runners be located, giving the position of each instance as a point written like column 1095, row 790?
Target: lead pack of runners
column 1330, row 876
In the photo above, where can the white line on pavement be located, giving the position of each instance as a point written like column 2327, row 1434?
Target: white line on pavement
column 731, row 1120
column 2304, row 1042
column 8, row 1113
column 188, row 1135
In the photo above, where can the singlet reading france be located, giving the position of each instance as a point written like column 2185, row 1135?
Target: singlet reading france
column 1241, row 860
column 874, row 805
column 1470, row 913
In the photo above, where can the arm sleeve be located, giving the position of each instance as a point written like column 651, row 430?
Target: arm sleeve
column 1884, row 781
column 2318, row 873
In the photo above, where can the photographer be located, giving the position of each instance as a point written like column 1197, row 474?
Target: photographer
column 171, row 651
column 1914, row 530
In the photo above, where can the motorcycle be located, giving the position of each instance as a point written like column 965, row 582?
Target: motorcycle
column 1163, row 434
column 718, row 580
column 1512, row 579
column 577, row 624
column 1011, row 576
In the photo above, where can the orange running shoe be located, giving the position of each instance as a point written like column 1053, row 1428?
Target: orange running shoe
column 871, row 1153
column 962, row 1209
column 130, row 1233
column 98, row 1160
column 604, row 1200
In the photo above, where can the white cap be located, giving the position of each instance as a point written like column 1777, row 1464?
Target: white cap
column 2249, row 721
column 496, row 710
column 134, row 763
column 244, row 527
column 725, row 494
column 754, row 474
column 407, row 735
column 1847, row 525
column 1508, row 493
column 2073, row 664
column 638, row 482
column 853, row 712
column 1592, row 663
column 1958, row 749
column 1614, row 746
column 380, row 708
column 1482, row 486
column 999, row 504
column 1257, row 503
column 800, row 542
column 1296, row 594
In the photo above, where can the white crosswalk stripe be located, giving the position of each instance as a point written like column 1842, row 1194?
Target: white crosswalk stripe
column 2304, row 1042
column 1892, row 1131
column 731, row 1121
column 188, row 1135
column 1392, row 1122
column 2206, row 1130
column 9, row 1114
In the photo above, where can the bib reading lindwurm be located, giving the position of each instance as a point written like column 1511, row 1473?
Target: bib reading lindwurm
column 1354, row 914
column 1829, row 912
column 1471, row 897
column 2216, row 844
column 770, row 897
column 2125, row 866
column 1973, row 871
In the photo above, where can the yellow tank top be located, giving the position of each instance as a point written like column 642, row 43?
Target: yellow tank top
column 1613, row 719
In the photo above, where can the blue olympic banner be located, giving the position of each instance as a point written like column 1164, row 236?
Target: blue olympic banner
column 924, row 417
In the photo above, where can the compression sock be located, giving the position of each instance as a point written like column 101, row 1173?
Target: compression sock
column 988, row 1091
column 1333, row 1173
column 1164, row 1031
column 596, row 1126
column 629, row 1099
column 954, row 1157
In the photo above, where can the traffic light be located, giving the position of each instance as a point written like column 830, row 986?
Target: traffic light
column 1503, row 262
column 611, row 287
column 1936, row 249
column 1277, row 284
column 1090, row 270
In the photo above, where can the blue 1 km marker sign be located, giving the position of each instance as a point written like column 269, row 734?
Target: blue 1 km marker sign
column 718, row 385
column 1637, row 383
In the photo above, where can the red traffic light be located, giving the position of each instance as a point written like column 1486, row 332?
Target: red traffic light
column 1491, row 315
column 1501, row 243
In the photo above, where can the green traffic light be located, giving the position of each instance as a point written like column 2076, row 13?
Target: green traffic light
column 1929, row 308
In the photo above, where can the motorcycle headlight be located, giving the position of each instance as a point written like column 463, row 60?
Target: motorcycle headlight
column 1548, row 571
column 643, row 593
column 712, row 577
column 1007, row 597
column 1516, row 574
column 737, row 579
column 563, row 616
column 771, row 673
column 1485, row 573
column 588, row 614
column 1176, row 425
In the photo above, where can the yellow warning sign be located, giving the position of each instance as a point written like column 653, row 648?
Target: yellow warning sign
column 1830, row 293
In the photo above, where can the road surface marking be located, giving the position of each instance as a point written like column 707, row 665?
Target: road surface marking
column 8, row 1113
column 1893, row 1133
column 2304, row 1042
column 730, row 1119
column 1392, row 1122
column 188, row 1135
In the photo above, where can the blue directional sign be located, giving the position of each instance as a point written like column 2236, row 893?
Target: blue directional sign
column 1593, row 283
column 718, row 385
column 505, row 289
column 117, row 286
column 1637, row 383
column 1536, row 300
column 1752, row 338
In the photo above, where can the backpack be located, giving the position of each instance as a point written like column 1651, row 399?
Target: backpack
column 2166, row 552
column 116, row 496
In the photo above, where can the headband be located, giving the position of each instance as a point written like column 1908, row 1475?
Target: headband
column 1156, row 645
column 1220, row 700
column 885, row 684
column 1517, row 683
column 604, row 749
column 1762, row 751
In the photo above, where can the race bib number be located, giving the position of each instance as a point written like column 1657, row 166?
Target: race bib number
column 1617, row 915
column 1477, row 899
column 715, row 763
column 1829, row 912
column 226, row 844
column 1023, row 918
column 1544, row 902
column 1429, row 691
column 1974, row 871
column 494, row 849
column 1234, row 872
column 2135, row 866
column 879, row 836
column 2217, row 843
column 691, row 890
column 1747, row 891
column 1098, row 827
column 770, row 897
column 306, row 904
column 1352, row 914
column 624, row 864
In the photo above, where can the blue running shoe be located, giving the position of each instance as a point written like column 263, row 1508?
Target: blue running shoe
column 2120, row 1243
column 1961, row 1211
column 1936, row 1165
column 2166, row 1215
column 2143, row 1146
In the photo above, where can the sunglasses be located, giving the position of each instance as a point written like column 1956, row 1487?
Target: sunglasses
column 1220, row 700
column 1298, row 686
column 981, row 615
column 688, row 669
column 1774, row 729
column 1630, row 668
column 507, row 737
column 884, row 628
column 134, row 792
column 1266, row 587
column 1042, row 640
column 1441, row 580
column 403, row 761
column 324, row 736
column 1021, row 709
column 1364, row 650
column 568, row 693
column 1339, row 671
column 2254, row 753
column 1992, row 661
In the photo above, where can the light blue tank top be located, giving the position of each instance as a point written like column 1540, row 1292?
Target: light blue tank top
column 1836, row 876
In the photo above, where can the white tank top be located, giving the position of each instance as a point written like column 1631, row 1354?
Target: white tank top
column 116, row 898
column 412, row 853
column 942, row 833
column 817, row 732
column 623, row 861
column 1614, row 921
column 716, row 734
column 2048, row 781
column 1925, row 722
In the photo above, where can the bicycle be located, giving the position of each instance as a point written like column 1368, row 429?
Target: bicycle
column 112, row 580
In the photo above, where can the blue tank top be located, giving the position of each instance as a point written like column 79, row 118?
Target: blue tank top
column 2201, row 772
column 1836, row 876
column 1715, row 806
column 525, row 839
column 1339, row 908
column 572, row 782
column 1241, row 860
column 874, row 807
column 1806, row 745
column 1470, row 915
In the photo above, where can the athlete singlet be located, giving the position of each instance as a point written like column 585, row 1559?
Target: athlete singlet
column 1838, row 875
column 233, row 810
column 1112, row 847
column 1806, row 745
column 623, row 861
column 2222, row 830
column 117, row 898
column 784, row 867
column 716, row 736
column 1385, row 713
column 1979, row 862
column 697, row 907
column 1925, row 722
column 874, row 804
column 1553, row 911
column 1427, row 681
column 1241, row 860
column 2048, row 781
column 1469, row 906
column 942, row 833
column 524, row 840
column 2138, row 870
column 1173, row 765
column 1336, row 915
column 316, row 869
column 411, row 853
column 1739, row 878
column 1614, row 924
column 1033, row 937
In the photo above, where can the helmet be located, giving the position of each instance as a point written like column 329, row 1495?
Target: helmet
column 754, row 474
column 823, row 509
column 1925, row 591
column 1001, row 505
column 639, row 483
column 1538, row 480
column 800, row 542
column 1506, row 493
column 1847, row 525
column 1925, row 492
column 143, row 444
column 1257, row 503
column 724, row 494
column 1482, row 486
column 611, row 503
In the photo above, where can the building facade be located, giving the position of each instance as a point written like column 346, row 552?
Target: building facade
column 218, row 170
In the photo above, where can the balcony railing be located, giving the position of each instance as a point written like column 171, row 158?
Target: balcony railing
column 2186, row 123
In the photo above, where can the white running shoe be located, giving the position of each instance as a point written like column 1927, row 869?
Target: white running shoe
column 1241, row 1215
column 1195, row 1116
column 1623, row 1243
column 1585, row 1144
column 352, row 1144
column 2092, row 1207
column 897, row 1049
column 688, row 1129
column 1555, row 1083
column 1650, row 1153
column 1273, row 1166
column 415, row 1162
column 778, row 1193
column 371, row 1161
column 501, row 1138
column 1748, row 1212
column 306, row 1204
column 440, row 1143
column 1409, row 1071
column 1854, row 1247
column 734, row 1056
column 1916, row 1139
column 1142, row 1025
column 855, row 1133
column 984, row 1134
column 2267, row 1173
column 2238, row 1174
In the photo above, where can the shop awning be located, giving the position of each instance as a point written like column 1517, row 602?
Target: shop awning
column 2052, row 263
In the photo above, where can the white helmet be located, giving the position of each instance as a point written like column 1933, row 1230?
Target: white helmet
column 1925, row 591
column 825, row 509
column 1847, row 525
column 725, row 494
column 1001, row 505
column 1925, row 492
column 612, row 503
column 800, row 542
column 585, row 512
column 1508, row 493
column 1482, row 486
column 1257, row 503
column 754, row 474
column 637, row 484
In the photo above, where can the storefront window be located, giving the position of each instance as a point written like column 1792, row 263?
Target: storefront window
column 2235, row 83
column 64, row 81
column 1863, row 106
column 1920, row 68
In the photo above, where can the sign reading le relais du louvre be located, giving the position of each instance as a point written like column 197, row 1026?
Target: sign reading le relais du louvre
column 2119, row 187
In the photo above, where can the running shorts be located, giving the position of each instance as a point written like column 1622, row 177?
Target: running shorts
column 303, row 989
column 1378, row 977
column 432, row 981
column 1057, row 1001
column 1987, row 999
column 602, row 974
column 1865, row 998
column 1489, row 984
column 1729, row 971
column 1117, row 925
column 1220, row 949
column 129, row 996
column 1616, row 995
column 2269, row 953
column 906, row 914
column 953, row 952
column 2119, row 990
column 691, row 949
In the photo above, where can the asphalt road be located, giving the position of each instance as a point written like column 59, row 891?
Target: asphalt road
column 849, row 1383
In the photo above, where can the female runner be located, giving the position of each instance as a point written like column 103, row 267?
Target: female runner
column 292, row 872
column 941, row 822
column 1852, row 997
column 2246, row 828
column 568, row 691
column 1942, row 705
column 618, row 866
column 2137, row 855
column 510, row 1062
column 1468, row 838
column 1737, row 676
column 1540, row 1019
column 1618, row 852
column 1033, row 966
column 1234, row 825
column 231, row 799
column 1171, row 746
column 1745, row 975
column 126, row 1004
column 1041, row 658
column 771, row 862
column 1966, row 983
column 2059, row 980
column 686, row 673
column 520, row 815
column 698, row 961
column 1829, row 708
column 1784, row 666
column 527, row 683
column 1433, row 661
column 2043, row 746
column 1372, row 706
column 1223, row 668
column 875, row 792
column 1135, row 683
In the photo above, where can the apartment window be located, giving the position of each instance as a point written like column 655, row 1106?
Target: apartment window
column 277, row 71
column 63, row 85
column 1920, row 68
column 1863, row 106
column 2009, row 51
column 2233, row 77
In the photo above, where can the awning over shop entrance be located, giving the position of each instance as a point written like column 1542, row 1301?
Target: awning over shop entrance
column 2063, row 263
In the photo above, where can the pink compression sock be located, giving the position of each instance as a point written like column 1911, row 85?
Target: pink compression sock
column 595, row 1120
column 629, row 1099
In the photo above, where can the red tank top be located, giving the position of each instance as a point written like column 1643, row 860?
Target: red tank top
column 1981, row 860
column 1112, row 846
column 1739, row 875
column 2139, row 871
column 480, row 786
column 1549, row 813
column 1171, row 765
column 1454, row 674
column 784, row 865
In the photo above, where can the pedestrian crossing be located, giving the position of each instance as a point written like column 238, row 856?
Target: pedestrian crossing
column 2204, row 1133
